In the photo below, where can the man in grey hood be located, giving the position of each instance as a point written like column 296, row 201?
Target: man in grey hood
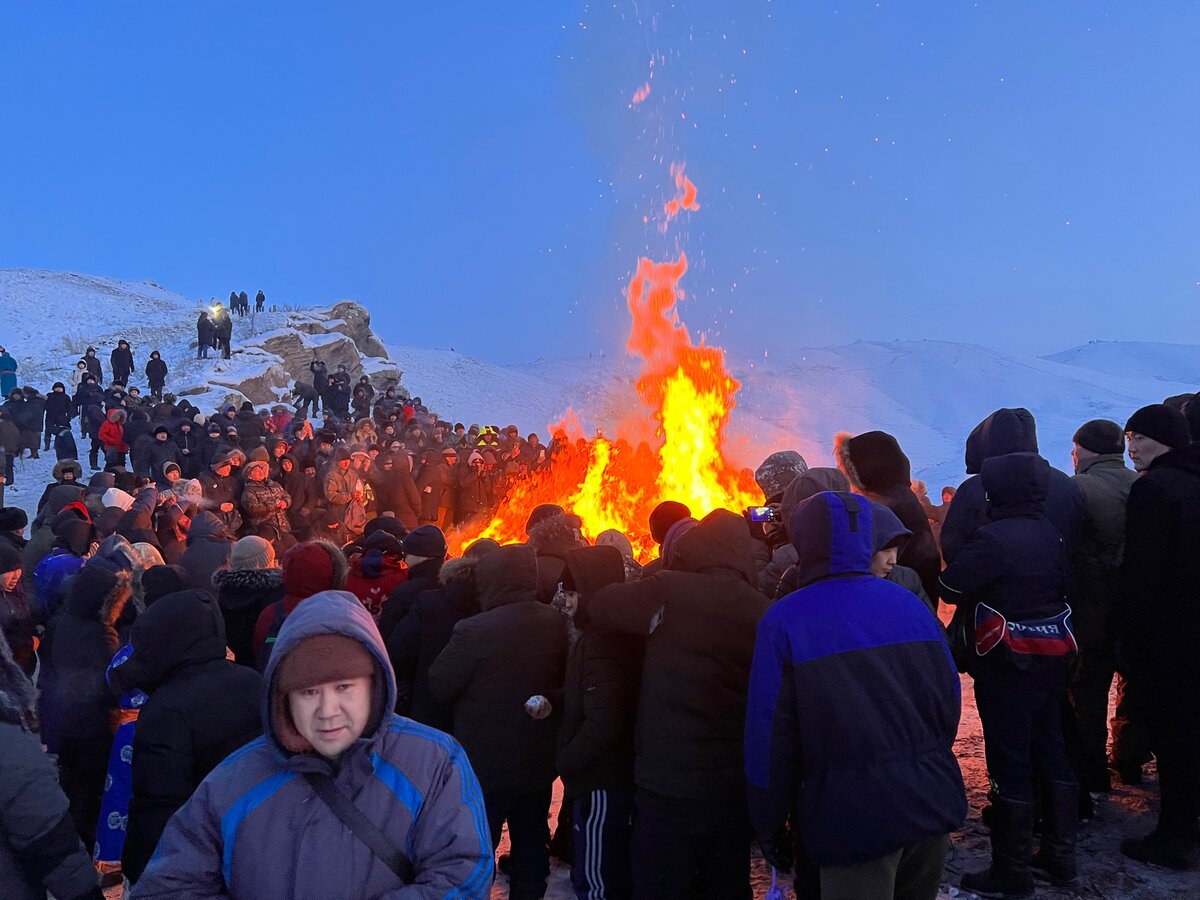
column 262, row 826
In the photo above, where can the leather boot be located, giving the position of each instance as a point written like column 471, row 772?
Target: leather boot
column 1012, row 846
column 1056, row 854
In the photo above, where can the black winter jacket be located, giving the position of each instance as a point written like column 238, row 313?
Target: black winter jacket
column 201, row 708
column 421, row 635
column 699, row 617
column 1159, row 610
column 59, row 410
column 495, row 661
column 1018, row 563
column 1006, row 431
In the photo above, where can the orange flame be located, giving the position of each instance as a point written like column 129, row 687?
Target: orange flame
column 685, row 199
column 689, row 393
column 640, row 94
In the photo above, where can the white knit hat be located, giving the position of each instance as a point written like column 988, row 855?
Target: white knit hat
column 117, row 497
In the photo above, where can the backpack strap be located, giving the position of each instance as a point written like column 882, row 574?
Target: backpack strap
column 362, row 827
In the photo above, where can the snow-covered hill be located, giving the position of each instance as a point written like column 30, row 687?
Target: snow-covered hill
column 930, row 394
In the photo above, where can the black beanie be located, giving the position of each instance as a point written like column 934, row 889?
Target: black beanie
column 1160, row 423
column 664, row 516
column 1100, row 436
column 13, row 518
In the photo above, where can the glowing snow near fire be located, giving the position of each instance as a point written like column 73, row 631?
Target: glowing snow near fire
column 687, row 390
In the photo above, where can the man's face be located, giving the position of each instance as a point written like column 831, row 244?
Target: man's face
column 9, row 580
column 1080, row 454
column 333, row 715
column 883, row 562
column 223, row 470
column 161, row 437
column 1143, row 450
column 58, row 390
column 344, row 464
column 947, row 497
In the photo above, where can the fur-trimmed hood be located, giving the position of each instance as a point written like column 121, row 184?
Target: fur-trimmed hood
column 248, row 580
column 67, row 465
column 873, row 461
column 97, row 593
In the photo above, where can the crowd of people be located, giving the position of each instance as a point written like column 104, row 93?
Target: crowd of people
column 260, row 675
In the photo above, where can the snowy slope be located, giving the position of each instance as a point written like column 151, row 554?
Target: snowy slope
column 1167, row 362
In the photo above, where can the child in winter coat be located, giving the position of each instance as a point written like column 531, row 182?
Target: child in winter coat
column 112, row 439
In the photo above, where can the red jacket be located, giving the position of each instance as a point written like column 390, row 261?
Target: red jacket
column 112, row 436
column 372, row 577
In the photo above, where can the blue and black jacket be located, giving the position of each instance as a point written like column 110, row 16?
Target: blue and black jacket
column 854, row 701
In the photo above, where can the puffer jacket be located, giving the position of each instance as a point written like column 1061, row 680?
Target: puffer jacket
column 76, row 702
column 1007, row 431
column 40, row 850
column 1018, row 563
column 495, row 661
column 255, row 829
column 421, row 635
column 854, row 701
column 595, row 739
column 202, row 707
column 698, row 616
column 260, row 502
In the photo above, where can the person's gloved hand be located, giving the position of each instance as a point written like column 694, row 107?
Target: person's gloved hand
column 777, row 851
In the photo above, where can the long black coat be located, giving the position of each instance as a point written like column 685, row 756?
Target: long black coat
column 209, row 547
column 699, row 618
column 1158, row 611
column 495, row 661
column 59, row 410
column 421, row 635
column 201, row 708
column 156, row 373
column 121, row 361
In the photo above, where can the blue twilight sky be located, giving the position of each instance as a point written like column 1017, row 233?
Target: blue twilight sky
column 1019, row 174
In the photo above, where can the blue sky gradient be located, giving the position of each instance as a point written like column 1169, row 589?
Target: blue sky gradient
column 1016, row 174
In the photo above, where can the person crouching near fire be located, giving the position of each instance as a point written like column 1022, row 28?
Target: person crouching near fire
column 339, row 798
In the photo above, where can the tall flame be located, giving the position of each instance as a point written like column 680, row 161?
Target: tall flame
column 689, row 393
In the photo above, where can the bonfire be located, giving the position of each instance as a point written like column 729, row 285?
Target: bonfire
column 687, row 390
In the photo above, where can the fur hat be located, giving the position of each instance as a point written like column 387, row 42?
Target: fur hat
column 1160, row 423
column 252, row 552
column 1100, row 436
column 873, row 461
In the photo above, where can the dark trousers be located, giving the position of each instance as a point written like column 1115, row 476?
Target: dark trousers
column 602, row 830
column 910, row 873
column 1021, row 713
column 1087, row 728
column 693, row 849
column 1173, row 714
column 528, row 834
column 83, row 767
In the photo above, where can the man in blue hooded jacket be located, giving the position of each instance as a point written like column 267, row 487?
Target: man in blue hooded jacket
column 261, row 825
column 851, row 717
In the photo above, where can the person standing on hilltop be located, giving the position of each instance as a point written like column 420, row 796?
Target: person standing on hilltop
column 223, row 330
column 121, row 361
column 260, row 300
column 156, row 374
column 243, row 303
column 204, row 335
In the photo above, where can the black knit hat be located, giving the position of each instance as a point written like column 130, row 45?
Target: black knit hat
column 1100, row 436
column 664, row 516
column 13, row 518
column 162, row 429
column 1160, row 423
column 427, row 541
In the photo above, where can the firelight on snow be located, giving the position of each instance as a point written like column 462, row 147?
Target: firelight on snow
column 689, row 393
